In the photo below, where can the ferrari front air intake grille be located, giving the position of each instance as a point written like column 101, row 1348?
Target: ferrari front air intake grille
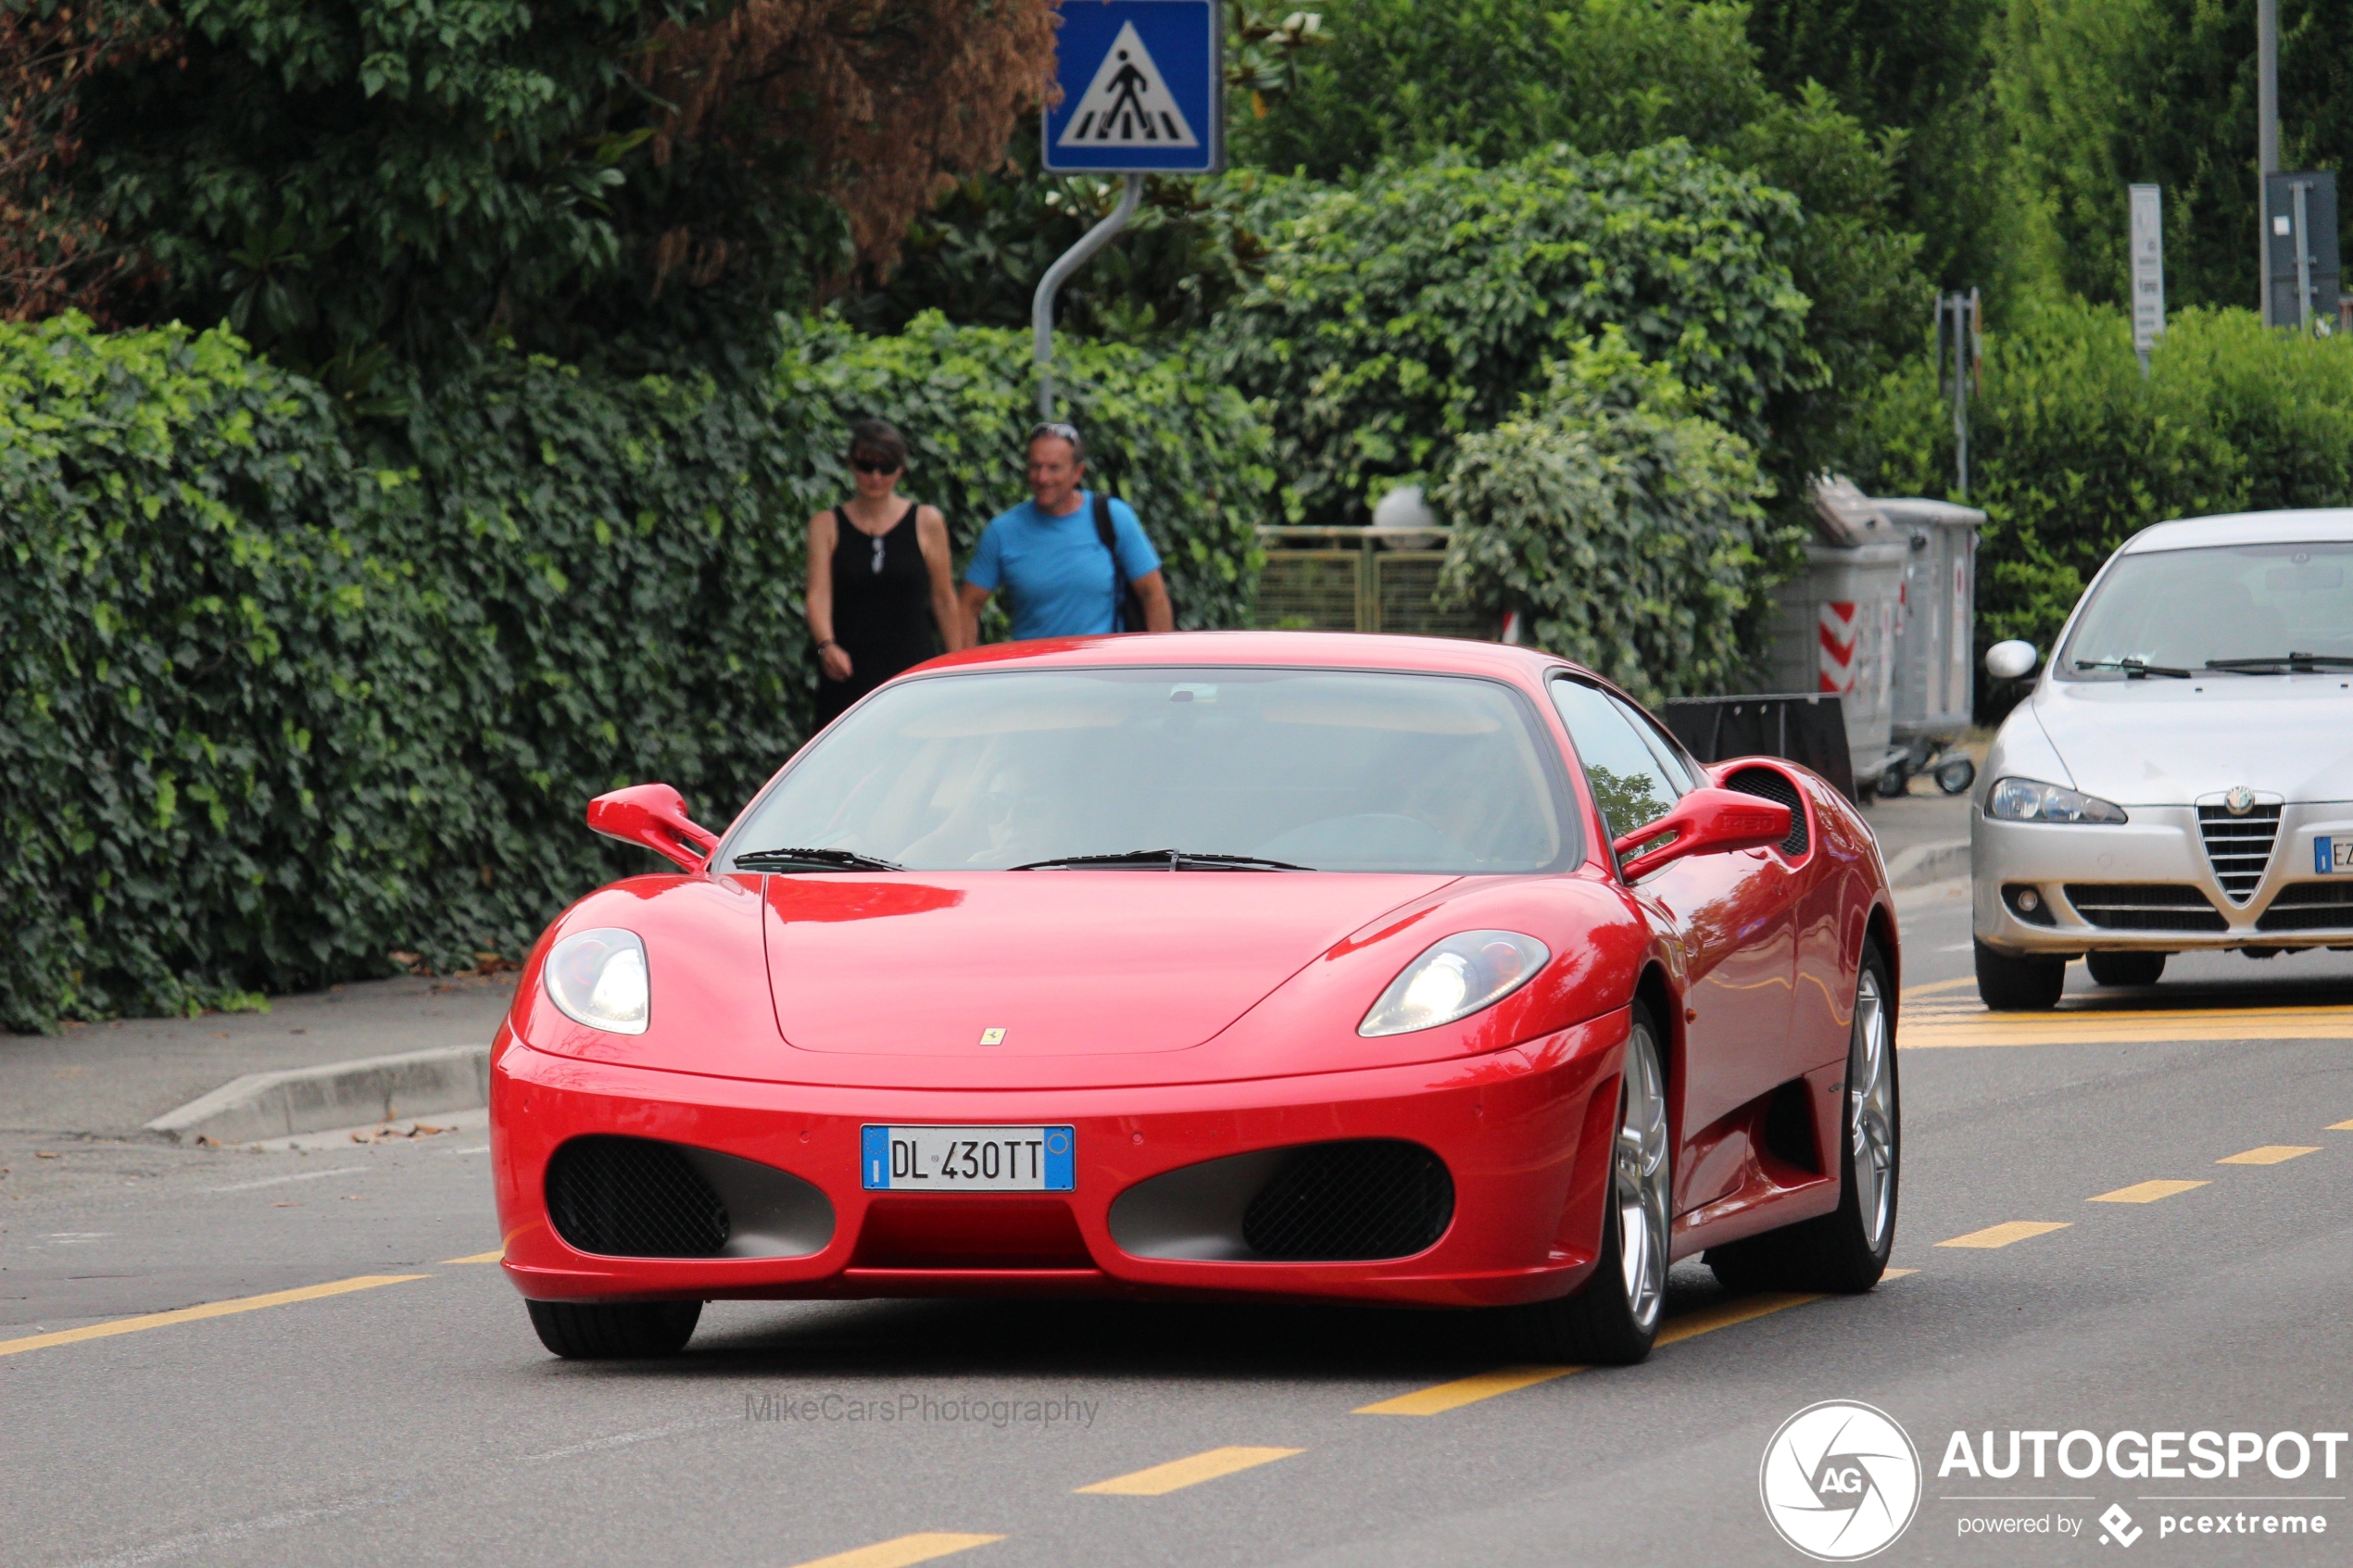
column 2145, row 907
column 2240, row 847
column 633, row 1197
column 1773, row 784
column 2309, row 906
column 1357, row 1202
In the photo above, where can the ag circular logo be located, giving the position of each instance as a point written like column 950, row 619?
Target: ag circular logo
column 1839, row 1481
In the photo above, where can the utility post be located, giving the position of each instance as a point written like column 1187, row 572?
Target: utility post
column 1140, row 87
column 2267, row 143
column 1960, row 323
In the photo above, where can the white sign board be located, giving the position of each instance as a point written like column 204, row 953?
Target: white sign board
column 2148, row 268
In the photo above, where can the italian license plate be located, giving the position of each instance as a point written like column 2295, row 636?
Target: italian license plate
column 966, row 1159
column 2331, row 856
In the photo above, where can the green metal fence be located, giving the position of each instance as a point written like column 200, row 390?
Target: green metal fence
column 1360, row 579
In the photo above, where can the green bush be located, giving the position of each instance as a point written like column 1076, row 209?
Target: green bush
column 1626, row 531
column 273, row 712
column 1397, row 316
column 2071, row 451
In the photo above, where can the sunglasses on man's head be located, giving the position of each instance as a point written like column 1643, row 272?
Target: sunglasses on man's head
column 874, row 465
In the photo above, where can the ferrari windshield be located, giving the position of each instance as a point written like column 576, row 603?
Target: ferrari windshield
column 1314, row 769
column 2176, row 611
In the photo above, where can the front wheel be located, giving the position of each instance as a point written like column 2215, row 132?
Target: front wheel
column 2026, row 983
column 614, row 1331
column 1612, row 1319
column 1845, row 1251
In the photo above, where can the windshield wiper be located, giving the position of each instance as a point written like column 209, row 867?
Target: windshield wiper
column 1163, row 860
column 819, row 859
column 2289, row 660
column 2134, row 669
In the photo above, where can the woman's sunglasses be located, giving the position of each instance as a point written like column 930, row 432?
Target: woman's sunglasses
column 874, row 465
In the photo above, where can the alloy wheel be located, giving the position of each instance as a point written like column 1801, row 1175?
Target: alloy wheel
column 1638, row 1180
column 1870, row 1112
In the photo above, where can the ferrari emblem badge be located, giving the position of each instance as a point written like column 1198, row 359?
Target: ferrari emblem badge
column 2240, row 801
column 992, row 1036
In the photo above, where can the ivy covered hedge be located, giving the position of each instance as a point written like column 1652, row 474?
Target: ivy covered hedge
column 279, row 701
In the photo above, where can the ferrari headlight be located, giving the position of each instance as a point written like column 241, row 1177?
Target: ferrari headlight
column 1455, row 979
column 598, row 978
column 2025, row 801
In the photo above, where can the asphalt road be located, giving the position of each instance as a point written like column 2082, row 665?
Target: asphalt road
column 395, row 1408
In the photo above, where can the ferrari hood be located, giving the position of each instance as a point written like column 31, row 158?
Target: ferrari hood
column 1052, row 963
column 2162, row 742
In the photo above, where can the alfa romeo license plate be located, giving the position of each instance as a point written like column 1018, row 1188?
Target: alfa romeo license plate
column 966, row 1159
column 2331, row 856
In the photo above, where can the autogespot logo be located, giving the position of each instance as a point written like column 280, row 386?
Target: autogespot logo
column 1839, row 1481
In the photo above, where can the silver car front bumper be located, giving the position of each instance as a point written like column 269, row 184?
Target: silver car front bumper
column 2148, row 886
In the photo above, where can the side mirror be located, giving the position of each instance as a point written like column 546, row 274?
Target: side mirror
column 2008, row 662
column 1707, row 821
column 655, row 816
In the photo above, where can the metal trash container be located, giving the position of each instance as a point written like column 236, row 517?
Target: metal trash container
column 1935, row 640
column 1807, row 727
column 1834, row 631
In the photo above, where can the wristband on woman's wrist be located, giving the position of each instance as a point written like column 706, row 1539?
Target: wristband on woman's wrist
column 828, row 643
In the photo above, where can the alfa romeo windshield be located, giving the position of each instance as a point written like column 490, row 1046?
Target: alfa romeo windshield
column 2252, row 609
column 1236, row 772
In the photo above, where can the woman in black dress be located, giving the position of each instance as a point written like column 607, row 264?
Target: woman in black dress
column 876, row 565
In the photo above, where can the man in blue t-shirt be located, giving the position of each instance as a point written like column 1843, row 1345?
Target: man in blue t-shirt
column 1050, row 560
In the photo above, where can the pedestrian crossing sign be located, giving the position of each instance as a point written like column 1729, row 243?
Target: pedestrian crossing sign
column 1142, row 88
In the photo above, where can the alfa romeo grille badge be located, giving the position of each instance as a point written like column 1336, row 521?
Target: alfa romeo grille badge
column 2240, row 801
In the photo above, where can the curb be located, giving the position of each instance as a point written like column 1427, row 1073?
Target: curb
column 336, row 1095
column 1924, row 863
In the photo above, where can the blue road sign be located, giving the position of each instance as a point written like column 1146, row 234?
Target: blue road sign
column 1142, row 88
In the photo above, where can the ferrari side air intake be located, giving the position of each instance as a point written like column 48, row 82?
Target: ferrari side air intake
column 1360, row 1201
column 640, row 1197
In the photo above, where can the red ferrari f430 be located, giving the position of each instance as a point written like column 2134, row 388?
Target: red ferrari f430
column 1214, row 965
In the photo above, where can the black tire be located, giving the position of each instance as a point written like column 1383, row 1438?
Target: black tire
column 2019, row 984
column 1895, row 780
column 1835, row 1254
column 614, row 1331
column 1597, row 1325
column 2125, row 969
column 1954, row 777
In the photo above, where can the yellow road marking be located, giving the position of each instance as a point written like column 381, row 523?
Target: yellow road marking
column 2269, row 1154
column 1928, row 1028
column 1724, row 1315
column 1504, row 1380
column 902, row 1550
column 210, row 1309
column 2341, row 1126
column 1887, row 1275
column 1934, row 986
column 1467, row 1390
column 2007, row 1232
column 1178, row 1473
column 2145, row 1192
column 490, row 1257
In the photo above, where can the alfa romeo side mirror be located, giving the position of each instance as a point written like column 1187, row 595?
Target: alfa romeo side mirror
column 2008, row 662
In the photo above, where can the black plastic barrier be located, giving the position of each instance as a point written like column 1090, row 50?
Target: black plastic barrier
column 1808, row 728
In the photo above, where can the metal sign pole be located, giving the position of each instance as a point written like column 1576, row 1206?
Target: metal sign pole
column 2303, row 260
column 1041, row 306
column 2267, row 144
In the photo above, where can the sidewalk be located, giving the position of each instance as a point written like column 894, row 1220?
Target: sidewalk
column 114, row 1078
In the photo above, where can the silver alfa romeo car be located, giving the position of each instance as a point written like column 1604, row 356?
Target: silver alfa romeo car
column 2181, row 776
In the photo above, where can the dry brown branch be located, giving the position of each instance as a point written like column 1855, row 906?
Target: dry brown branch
column 892, row 98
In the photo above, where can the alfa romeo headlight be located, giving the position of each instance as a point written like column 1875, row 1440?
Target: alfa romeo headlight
column 598, row 978
column 1455, row 979
column 2027, row 800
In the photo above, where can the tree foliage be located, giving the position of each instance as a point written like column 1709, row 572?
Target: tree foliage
column 2096, row 94
column 1396, row 316
column 272, row 708
column 1626, row 530
column 341, row 178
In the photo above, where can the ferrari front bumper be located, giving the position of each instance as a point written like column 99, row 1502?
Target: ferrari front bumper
column 1524, row 1133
